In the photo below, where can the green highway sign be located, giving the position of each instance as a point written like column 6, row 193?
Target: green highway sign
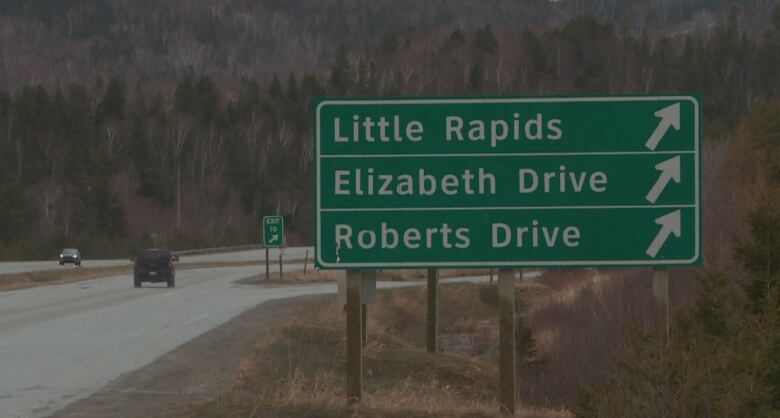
column 508, row 182
column 273, row 231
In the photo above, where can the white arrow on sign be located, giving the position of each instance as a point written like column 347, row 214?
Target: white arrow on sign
column 670, row 224
column 670, row 170
column 274, row 238
column 670, row 117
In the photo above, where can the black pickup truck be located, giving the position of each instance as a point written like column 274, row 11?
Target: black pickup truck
column 155, row 266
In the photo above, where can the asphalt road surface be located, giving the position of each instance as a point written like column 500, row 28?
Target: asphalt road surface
column 61, row 343
column 292, row 253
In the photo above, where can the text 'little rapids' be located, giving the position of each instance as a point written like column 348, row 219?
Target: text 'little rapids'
column 456, row 128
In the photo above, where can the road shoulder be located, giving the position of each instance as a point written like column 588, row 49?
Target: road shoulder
column 195, row 371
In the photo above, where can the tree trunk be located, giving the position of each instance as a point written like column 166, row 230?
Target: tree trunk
column 19, row 159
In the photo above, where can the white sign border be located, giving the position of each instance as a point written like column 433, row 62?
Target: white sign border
column 517, row 264
column 284, row 238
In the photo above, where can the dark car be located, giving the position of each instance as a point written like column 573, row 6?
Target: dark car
column 154, row 266
column 70, row 255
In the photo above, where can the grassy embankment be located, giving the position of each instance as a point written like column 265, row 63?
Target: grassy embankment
column 297, row 367
column 312, row 275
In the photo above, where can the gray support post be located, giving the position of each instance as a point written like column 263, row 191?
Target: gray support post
column 433, row 311
column 267, row 264
column 354, row 339
column 369, row 281
column 281, row 273
column 364, row 322
column 506, row 348
column 661, row 297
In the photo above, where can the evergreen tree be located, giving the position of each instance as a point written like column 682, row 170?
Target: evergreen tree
column 761, row 255
column 33, row 116
column 776, row 17
column 310, row 87
column 140, row 150
column 186, row 96
column 5, row 104
column 275, row 88
column 389, row 43
column 207, row 100
column 16, row 214
column 763, row 126
column 292, row 89
column 109, row 217
column 456, row 39
column 475, row 76
column 536, row 52
column 112, row 104
column 249, row 98
column 485, row 40
column 339, row 75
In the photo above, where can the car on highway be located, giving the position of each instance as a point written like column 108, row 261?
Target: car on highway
column 154, row 266
column 70, row 255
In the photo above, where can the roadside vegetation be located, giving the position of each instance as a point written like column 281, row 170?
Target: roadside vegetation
column 590, row 342
column 59, row 276
column 312, row 275
column 63, row 275
column 722, row 358
column 66, row 274
column 198, row 153
column 297, row 367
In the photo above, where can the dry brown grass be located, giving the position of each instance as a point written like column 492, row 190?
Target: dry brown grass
column 297, row 368
column 315, row 276
column 581, row 326
column 60, row 276
column 64, row 275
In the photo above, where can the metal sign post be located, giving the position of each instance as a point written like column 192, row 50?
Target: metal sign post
column 506, row 344
column 267, row 265
column 368, row 295
column 354, row 338
column 433, row 311
column 281, row 264
column 661, row 297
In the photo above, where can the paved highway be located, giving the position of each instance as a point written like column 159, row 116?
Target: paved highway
column 291, row 253
column 61, row 343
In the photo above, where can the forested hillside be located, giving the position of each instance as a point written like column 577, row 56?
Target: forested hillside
column 147, row 41
column 191, row 119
